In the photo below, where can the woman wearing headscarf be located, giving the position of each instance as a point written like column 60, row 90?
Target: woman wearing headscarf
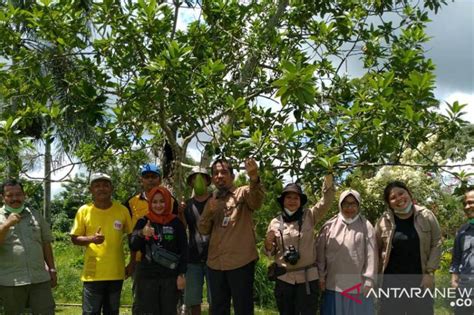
column 161, row 238
column 409, row 245
column 347, row 258
column 290, row 240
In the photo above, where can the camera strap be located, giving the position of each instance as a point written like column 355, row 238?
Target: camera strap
column 282, row 227
column 200, row 239
column 305, row 268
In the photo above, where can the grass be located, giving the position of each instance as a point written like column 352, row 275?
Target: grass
column 76, row 310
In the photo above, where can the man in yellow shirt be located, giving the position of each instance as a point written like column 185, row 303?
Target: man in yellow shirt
column 100, row 227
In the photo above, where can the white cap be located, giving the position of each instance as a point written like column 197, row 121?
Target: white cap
column 97, row 176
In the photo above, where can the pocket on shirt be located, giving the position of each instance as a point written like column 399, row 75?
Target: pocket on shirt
column 36, row 232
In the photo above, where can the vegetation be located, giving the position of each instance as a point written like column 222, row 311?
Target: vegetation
column 109, row 85
column 114, row 83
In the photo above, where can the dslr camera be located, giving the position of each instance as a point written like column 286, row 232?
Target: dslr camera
column 291, row 255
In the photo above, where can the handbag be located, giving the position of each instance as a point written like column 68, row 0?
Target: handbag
column 274, row 271
column 164, row 258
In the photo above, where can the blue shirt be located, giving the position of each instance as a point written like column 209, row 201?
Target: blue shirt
column 463, row 255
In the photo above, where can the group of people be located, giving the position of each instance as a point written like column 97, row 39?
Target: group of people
column 350, row 257
column 211, row 238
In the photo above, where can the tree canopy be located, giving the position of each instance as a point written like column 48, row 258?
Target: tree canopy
column 107, row 81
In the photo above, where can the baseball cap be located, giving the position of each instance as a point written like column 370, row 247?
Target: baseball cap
column 97, row 176
column 150, row 168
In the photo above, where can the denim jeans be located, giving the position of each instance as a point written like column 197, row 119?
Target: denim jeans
column 102, row 296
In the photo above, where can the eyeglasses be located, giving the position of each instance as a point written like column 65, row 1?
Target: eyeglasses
column 346, row 205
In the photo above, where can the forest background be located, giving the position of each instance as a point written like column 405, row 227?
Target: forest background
column 109, row 85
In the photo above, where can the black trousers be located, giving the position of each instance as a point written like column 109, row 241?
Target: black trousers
column 155, row 296
column 292, row 299
column 235, row 284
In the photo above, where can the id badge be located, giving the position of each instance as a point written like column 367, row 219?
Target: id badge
column 225, row 221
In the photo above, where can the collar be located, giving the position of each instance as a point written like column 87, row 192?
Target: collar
column 231, row 191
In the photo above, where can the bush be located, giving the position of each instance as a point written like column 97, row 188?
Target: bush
column 61, row 222
column 263, row 287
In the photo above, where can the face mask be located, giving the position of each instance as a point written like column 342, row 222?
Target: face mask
column 199, row 185
column 288, row 212
column 406, row 210
column 471, row 221
column 14, row 210
column 349, row 220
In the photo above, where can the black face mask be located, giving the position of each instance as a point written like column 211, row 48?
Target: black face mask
column 295, row 217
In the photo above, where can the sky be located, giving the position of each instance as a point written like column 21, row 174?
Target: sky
column 451, row 48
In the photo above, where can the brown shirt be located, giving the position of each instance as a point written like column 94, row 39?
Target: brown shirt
column 306, row 244
column 233, row 245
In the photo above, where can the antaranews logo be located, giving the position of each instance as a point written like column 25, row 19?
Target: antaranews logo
column 352, row 297
column 461, row 297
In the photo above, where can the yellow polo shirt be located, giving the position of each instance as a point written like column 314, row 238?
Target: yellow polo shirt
column 104, row 261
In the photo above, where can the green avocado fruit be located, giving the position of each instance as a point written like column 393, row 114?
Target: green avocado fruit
column 199, row 185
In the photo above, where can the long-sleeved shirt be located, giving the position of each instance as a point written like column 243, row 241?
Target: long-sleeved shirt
column 170, row 236
column 347, row 254
column 306, row 243
column 232, row 243
column 429, row 233
column 463, row 255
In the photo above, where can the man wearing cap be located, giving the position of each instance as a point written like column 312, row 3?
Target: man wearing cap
column 138, row 204
column 27, row 271
column 100, row 227
column 232, row 253
column 199, row 180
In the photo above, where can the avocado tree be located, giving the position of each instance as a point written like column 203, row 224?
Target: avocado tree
column 261, row 78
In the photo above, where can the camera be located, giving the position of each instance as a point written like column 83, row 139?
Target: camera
column 291, row 255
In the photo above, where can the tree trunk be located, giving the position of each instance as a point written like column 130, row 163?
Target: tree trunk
column 47, row 180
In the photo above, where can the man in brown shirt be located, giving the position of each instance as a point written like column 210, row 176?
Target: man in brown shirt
column 227, row 217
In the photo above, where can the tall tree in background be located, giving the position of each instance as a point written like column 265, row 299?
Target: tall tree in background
column 262, row 78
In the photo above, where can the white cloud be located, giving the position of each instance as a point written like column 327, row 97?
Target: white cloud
column 462, row 98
